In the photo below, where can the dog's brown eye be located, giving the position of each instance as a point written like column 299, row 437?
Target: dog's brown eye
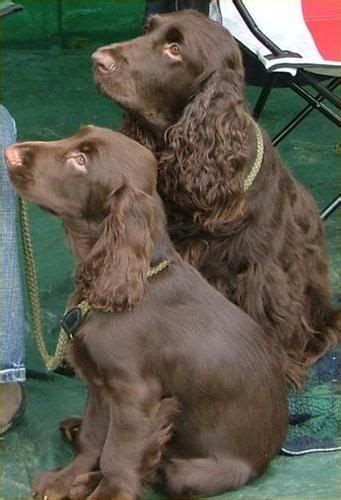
column 80, row 159
column 173, row 50
column 77, row 161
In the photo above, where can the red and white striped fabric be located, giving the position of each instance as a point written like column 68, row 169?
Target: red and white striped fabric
column 310, row 28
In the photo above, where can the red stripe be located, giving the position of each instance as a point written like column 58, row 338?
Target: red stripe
column 323, row 19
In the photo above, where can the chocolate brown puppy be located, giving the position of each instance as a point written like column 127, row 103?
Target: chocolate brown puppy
column 183, row 384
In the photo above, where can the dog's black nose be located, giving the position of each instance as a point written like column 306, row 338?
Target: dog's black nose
column 103, row 61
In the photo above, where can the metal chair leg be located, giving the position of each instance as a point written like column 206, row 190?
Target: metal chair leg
column 263, row 97
column 331, row 207
column 303, row 113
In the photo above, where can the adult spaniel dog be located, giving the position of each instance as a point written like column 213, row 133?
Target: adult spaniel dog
column 183, row 385
column 234, row 211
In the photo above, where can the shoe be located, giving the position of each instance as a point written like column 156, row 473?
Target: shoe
column 12, row 405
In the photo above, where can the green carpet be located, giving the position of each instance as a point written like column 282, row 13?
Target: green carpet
column 50, row 93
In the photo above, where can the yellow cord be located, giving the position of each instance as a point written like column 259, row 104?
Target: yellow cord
column 52, row 362
column 258, row 161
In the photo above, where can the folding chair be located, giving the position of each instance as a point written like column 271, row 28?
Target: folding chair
column 9, row 7
column 306, row 49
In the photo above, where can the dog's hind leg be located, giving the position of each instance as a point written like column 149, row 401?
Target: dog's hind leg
column 206, row 476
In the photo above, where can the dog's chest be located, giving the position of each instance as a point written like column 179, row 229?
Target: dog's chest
column 81, row 361
column 102, row 349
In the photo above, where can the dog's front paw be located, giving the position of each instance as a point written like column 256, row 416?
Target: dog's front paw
column 45, row 486
column 52, row 485
column 85, row 484
column 107, row 491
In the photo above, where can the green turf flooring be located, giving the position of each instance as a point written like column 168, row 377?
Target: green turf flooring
column 50, row 93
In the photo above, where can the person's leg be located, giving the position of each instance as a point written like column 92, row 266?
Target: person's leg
column 12, row 326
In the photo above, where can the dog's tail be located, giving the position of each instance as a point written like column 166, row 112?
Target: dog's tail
column 327, row 332
column 324, row 334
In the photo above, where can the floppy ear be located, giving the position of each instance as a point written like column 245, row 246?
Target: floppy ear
column 114, row 274
column 207, row 152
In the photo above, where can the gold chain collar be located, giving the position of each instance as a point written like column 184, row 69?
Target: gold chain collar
column 74, row 317
column 258, row 161
column 158, row 268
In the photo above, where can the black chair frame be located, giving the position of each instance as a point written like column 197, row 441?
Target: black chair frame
column 322, row 101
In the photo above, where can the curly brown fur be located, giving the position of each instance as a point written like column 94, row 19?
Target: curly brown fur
column 183, row 385
column 264, row 249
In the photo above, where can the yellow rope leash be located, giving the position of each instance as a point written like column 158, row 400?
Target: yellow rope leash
column 51, row 361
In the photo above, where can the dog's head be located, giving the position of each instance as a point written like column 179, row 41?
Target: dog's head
column 101, row 184
column 74, row 176
column 156, row 75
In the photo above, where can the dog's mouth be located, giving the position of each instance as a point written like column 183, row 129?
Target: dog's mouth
column 116, row 91
column 102, row 86
column 48, row 210
column 99, row 75
column 21, row 180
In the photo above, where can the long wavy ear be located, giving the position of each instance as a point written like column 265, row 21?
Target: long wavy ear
column 133, row 128
column 207, row 152
column 114, row 274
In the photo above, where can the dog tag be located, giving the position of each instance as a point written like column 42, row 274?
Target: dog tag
column 72, row 321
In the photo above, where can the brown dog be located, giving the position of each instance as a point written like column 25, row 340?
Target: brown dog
column 260, row 243
column 181, row 381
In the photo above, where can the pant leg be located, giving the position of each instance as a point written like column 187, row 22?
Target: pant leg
column 12, row 325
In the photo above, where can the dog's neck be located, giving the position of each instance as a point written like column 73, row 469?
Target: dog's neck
column 81, row 236
column 163, row 248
